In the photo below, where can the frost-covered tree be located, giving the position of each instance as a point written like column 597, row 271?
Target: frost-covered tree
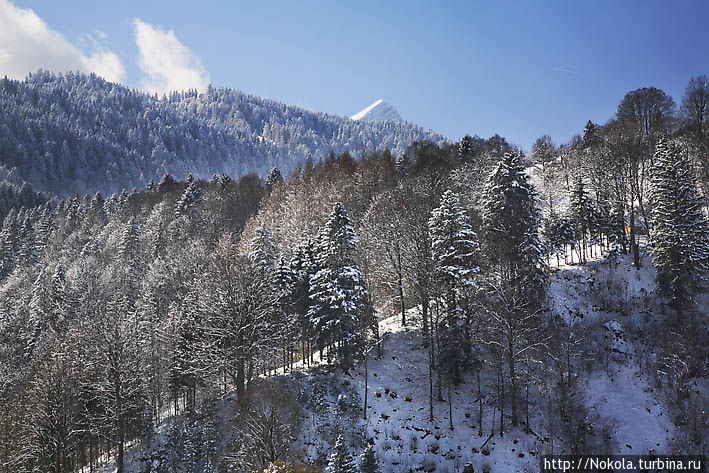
column 680, row 236
column 581, row 212
column 303, row 266
column 273, row 179
column 241, row 301
column 454, row 248
column 189, row 199
column 340, row 460
column 516, row 282
column 368, row 461
column 511, row 221
column 263, row 251
column 337, row 290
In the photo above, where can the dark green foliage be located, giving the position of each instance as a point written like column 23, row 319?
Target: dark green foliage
column 680, row 235
column 368, row 461
column 511, row 221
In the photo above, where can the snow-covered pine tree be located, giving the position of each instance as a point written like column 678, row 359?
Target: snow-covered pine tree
column 263, row 251
column 9, row 240
column 189, row 199
column 680, row 234
column 454, row 248
column 516, row 283
column 581, row 214
column 368, row 461
column 466, row 148
column 511, row 221
column 340, row 460
column 337, row 290
column 303, row 266
column 185, row 374
column 29, row 254
column 273, row 179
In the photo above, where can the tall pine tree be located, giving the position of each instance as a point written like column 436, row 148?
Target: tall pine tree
column 337, row 290
column 340, row 460
column 454, row 248
column 511, row 221
column 680, row 234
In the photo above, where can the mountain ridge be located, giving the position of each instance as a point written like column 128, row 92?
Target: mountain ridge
column 77, row 133
column 378, row 111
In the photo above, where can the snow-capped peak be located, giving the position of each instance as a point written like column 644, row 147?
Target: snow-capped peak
column 378, row 111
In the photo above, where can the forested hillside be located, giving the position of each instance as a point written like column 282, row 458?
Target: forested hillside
column 507, row 305
column 76, row 133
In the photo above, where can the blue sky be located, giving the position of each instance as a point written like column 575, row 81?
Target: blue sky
column 521, row 69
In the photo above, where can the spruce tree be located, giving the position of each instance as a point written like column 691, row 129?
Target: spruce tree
column 454, row 248
column 337, row 290
column 340, row 460
column 273, row 179
column 263, row 249
column 516, row 283
column 368, row 461
column 680, row 236
column 581, row 214
column 511, row 221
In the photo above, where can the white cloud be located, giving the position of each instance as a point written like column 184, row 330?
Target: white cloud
column 28, row 44
column 166, row 62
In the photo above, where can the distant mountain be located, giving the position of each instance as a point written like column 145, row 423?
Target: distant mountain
column 377, row 112
column 77, row 133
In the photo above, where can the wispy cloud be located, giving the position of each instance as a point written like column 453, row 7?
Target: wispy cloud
column 166, row 62
column 566, row 71
column 28, row 44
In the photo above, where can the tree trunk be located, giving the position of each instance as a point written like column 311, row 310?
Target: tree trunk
column 480, row 404
column 431, row 362
column 401, row 287
column 240, row 379
column 513, row 380
column 450, row 404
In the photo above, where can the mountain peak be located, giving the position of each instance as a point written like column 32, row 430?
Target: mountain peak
column 378, row 111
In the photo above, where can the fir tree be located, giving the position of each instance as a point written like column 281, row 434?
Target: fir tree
column 189, row 199
column 466, row 148
column 368, row 461
column 340, row 460
column 263, row 250
column 516, row 284
column 273, row 179
column 680, row 235
column 581, row 214
column 337, row 290
column 511, row 221
column 454, row 250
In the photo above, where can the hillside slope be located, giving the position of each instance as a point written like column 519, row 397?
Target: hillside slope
column 74, row 133
column 624, row 411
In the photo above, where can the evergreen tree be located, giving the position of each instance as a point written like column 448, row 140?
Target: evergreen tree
column 516, row 283
column 466, row 148
column 337, row 290
column 680, row 229
column 511, row 221
column 9, row 238
column 303, row 266
column 273, row 179
column 263, row 250
column 368, row 461
column 340, row 460
column 581, row 214
column 189, row 199
column 454, row 250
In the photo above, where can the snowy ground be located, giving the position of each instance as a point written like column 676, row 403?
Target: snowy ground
column 398, row 415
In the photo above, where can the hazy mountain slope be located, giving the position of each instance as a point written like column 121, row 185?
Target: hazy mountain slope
column 76, row 133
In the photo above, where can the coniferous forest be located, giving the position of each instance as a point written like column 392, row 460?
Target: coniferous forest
column 220, row 283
